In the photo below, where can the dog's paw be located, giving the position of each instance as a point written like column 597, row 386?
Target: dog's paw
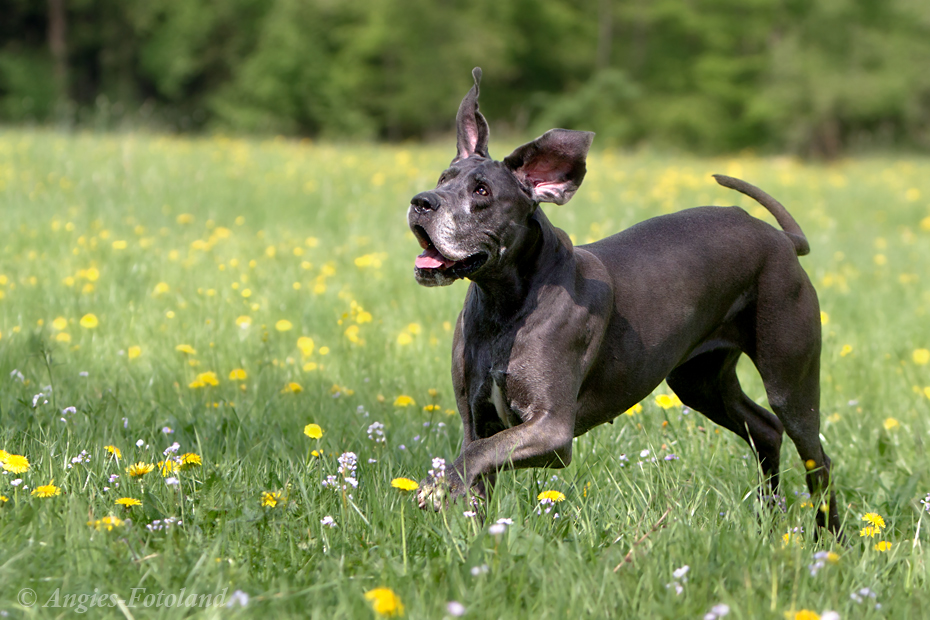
column 432, row 495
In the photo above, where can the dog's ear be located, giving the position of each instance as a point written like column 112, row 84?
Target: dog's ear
column 470, row 125
column 552, row 166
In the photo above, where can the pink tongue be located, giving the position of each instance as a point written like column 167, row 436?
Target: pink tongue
column 432, row 259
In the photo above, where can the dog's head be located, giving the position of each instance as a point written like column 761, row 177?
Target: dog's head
column 480, row 209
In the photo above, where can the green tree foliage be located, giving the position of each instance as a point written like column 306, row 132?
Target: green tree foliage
column 711, row 75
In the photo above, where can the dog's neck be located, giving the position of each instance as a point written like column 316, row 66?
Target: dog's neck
column 543, row 249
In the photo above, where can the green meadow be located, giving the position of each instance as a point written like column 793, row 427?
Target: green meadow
column 175, row 312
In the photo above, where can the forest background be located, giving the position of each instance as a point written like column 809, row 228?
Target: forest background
column 817, row 79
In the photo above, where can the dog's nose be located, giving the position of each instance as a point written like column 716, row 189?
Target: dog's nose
column 425, row 201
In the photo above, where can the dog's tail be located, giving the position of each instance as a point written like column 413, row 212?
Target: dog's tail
column 781, row 214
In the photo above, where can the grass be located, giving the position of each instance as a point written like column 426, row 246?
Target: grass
column 216, row 243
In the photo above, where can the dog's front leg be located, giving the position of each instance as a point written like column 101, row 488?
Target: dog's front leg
column 544, row 441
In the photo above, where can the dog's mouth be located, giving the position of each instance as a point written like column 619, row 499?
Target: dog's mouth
column 432, row 262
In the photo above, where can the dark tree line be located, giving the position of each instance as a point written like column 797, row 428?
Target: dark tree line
column 815, row 77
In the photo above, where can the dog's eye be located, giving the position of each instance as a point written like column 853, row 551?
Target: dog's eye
column 442, row 180
column 482, row 190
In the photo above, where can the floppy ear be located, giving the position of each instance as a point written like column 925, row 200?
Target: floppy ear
column 471, row 128
column 552, row 166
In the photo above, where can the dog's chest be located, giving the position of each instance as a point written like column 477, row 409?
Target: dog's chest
column 491, row 399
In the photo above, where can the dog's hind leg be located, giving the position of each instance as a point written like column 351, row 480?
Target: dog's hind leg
column 787, row 355
column 708, row 383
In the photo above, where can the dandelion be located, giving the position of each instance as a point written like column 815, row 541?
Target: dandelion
column 16, row 464
column 551, row 497
column 667, row 402
column 806, row 614
column 313, row 431
column 404, row 401
column 385, row 602
column 60, row 323
column 921, row 357
column 186, row 348
column 139, row 469
column 243, row 322
column 47, row 490
column 404, row 484
column 882, row 546
column 238, row 374
column 404, row 339
column 270, row 499
column 875, row 519
column 637, row 408
column 890, row 424
column 133, row 352
column 107, row 523
column 868, row 531
column 846, row 350
column 89, row 321
column 283, row 325
column 293, row 387
column 127, row 502
column 189, row 460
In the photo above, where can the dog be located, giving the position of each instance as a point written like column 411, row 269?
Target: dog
column 554, row 340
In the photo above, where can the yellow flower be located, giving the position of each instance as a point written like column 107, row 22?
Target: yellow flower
column 166, row 468
column 921, row 356
column 890, row 423
column 667, row 402
column 208, row 378
column 385, row 602
column 271, row 499
column 47, row 490
column 846, row 350
column 882, row 546
column 238, row 374
column 833, row 558
column 128, row 502
column 4, row 499
column 806, row 614
column 190, row 460
column 352, row 334
column 114, row 451
column 313, row 431
column 161, row 288
column 133, row 352
column 868, row 531
column 404, row 401
column 106, row 523
column 824, row 318
column 283, row 325
column 16, row 464
column 404, row 484
column 243, row 321
column 4, row 455
column 306, row 345
column 63, row 337
column 293, row 387
column 89, row 321
column 139, row 469
column 432, row 408
column 404, row 339
column 875, row 519
column 637, row 408
column 60, row 323
column 551, row 496
column 186, row 348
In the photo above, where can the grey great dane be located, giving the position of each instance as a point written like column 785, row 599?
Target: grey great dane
column 555, row 340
